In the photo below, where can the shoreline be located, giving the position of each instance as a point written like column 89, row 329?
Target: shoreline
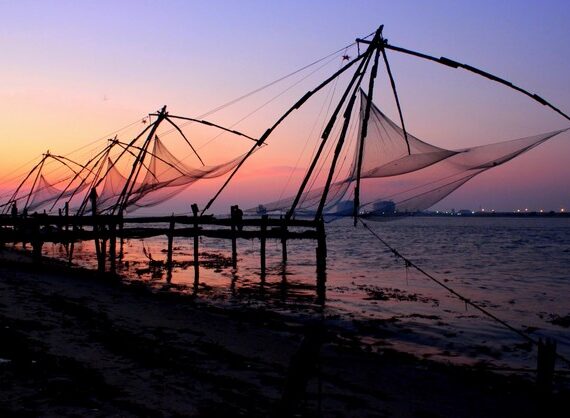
column 75, row 343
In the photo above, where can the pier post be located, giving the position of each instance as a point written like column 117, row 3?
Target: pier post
column 121, row 239
column 321, row 253
column 234, row 235
column 196, row 243
column 113, row 247
column 37, row 243
column 100, row 260
column 284, row 240
column 66, row 213
column 170, row 237
column 262, row 239
column 545, row 365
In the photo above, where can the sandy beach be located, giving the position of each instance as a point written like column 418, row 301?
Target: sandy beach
column 76, row 344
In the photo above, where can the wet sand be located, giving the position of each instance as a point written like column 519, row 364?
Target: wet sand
column 76, row 344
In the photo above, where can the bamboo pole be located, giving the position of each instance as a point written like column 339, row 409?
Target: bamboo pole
column 364, row 129
column 113, row 247
column 170, row 236
column 234, row 236
column 262, row 239
column 326, row 133
column 93, row 197
column 454, row 64
column 196, row 243
column 266, row 134
column 321, row 252
column 284, row 231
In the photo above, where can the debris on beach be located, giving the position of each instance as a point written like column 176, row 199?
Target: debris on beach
column 389, row 293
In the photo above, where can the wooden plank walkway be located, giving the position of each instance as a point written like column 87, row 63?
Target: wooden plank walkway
column 38, row 229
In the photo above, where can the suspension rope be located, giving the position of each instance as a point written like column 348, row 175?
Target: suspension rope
column 466, row 300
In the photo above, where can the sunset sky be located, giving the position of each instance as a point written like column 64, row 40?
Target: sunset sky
column 73, row 72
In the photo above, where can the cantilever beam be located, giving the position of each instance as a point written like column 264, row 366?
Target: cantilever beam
column 185, row 139
column 454, row 64
column 208, row 123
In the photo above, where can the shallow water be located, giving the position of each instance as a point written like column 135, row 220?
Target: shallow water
column 517, row 268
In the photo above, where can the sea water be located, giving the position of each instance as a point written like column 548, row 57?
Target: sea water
column 518, row 269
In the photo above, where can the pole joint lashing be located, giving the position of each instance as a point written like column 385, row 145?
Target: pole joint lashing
column 539, row 99
column 263, row 137
column 449, row 62
column 303, row 99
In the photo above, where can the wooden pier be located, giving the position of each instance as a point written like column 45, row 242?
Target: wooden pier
column 106, row 230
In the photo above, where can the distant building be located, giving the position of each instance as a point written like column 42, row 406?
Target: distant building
column 345, row 208
column 384, row 207
column 261, row 210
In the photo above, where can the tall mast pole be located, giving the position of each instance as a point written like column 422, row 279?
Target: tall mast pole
column 46, row 155
column 393, row 84
column 14, row 198
column 268, row 132
column 347, row 116
column 326, row 133
column 377, row 41
column 123, row 199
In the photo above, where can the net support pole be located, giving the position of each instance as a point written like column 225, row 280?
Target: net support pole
column 454, row 64
column 196, row 244
column 339, row 145
column 93, row 198
column 13, row 199
column 233, row 210
column 137, row 164
column 364, row 128
column 321, row 255
column 284, row 232
column 263, row 241
column 169, row 250
column 113, row 247
column 268, row 132
column 396, row 98
column 38, row 174
column 326, row 133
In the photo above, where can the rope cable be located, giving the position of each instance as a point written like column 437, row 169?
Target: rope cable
column 466, row 300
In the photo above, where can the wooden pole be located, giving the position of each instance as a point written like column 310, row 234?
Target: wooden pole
column 93, row 197
column 545, row 365
column 59, row 226
column 103, row 252
column 325, row 135
column 122, row 240
column 364, row 127
column 340, row 142
column 284, row 231
column 266, row 134
column 454, row 64
column 66, row 212
column 169, row 250
column 321, row 253
column 37, row 243
column 234, row 236
column 123, row 199
column 113, row 247
column 196, row 243
column 263, row 238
